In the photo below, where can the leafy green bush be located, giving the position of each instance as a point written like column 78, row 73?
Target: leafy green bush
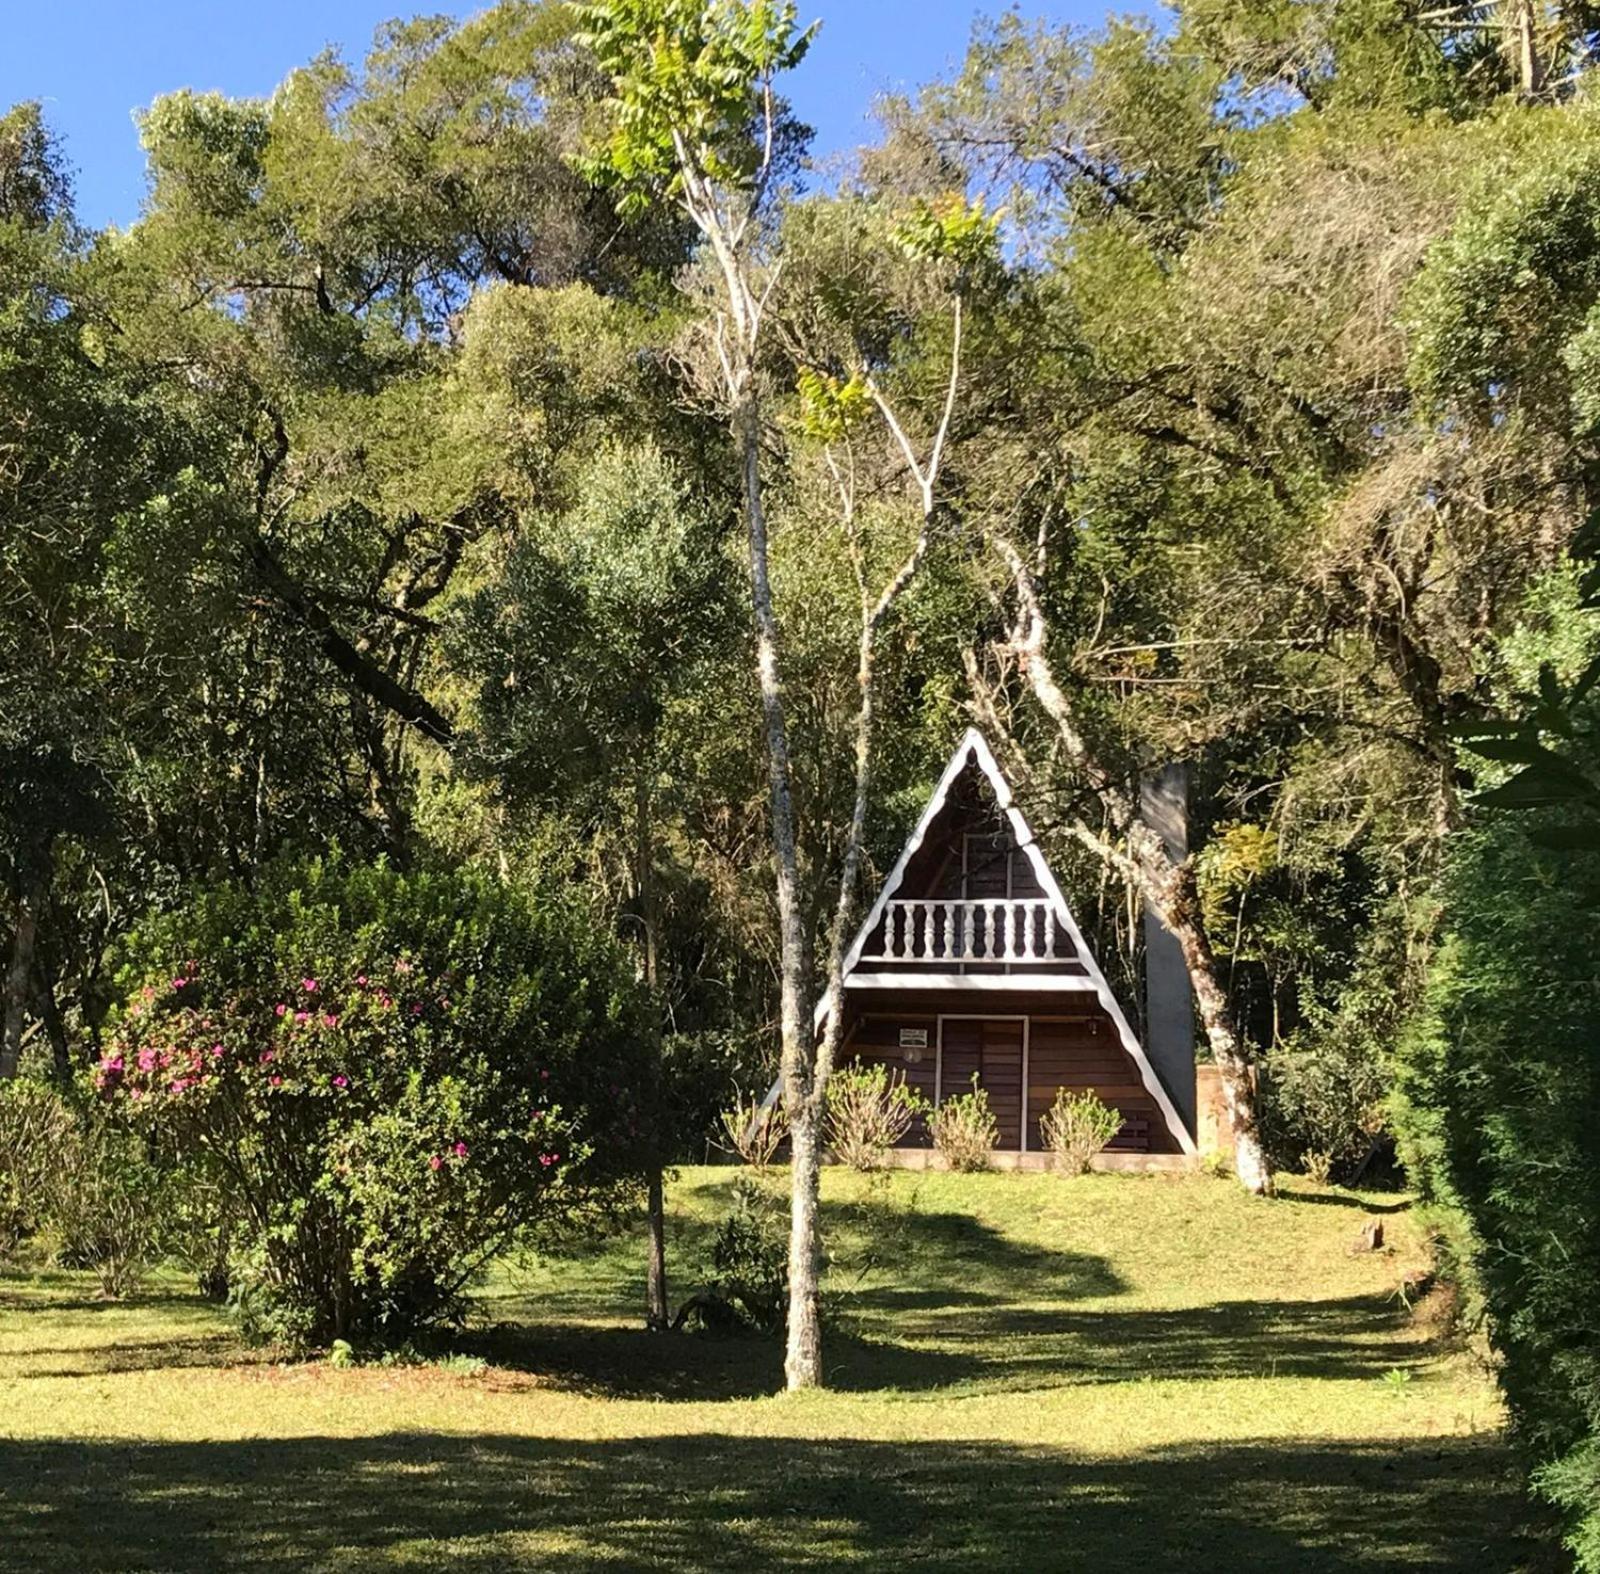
column 1076, row 1127
column 106, row 1207
column 964, row 1129
column 78, row 1181
column 387, row 1079
column 750, row 1260
column 1323, row 1102
column 869, row 1112
column 34, row 1122
column 1499, row 1087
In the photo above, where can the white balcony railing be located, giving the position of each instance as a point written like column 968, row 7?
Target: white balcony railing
column 1016, row 930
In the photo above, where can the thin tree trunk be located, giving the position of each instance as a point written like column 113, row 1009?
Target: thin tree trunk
column 19, row 977
column 50, row 1013
column 803, row 1358
column 658, row 1313
column 658, row 1316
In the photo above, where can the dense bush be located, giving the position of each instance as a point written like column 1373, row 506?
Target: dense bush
column 869, row 1112
column 105, row 1207
column 1499, row 1099
column 77, row 1181
column 1322, row 1103
column 387, row 1078
column 34, row 1122
column 750, row 1261
column 1076, row 1127
column 964, row 1129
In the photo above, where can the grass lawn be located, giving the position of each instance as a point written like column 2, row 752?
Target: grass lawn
column 1117, row 1372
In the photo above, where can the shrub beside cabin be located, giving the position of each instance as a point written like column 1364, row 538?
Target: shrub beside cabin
column 970, row 964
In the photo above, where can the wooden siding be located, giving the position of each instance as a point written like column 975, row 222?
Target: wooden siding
column 1072, row 1043
column 990, row 1050
column 875, row 1040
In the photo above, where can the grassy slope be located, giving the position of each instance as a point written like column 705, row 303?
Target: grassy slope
column 1111, row 1373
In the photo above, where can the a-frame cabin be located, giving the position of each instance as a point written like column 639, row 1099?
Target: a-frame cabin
column 970, row 964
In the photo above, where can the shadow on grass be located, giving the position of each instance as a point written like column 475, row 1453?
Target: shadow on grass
column 1334, row 1199
column 955, row 1259
column 707, row 1501
column 979, row 1348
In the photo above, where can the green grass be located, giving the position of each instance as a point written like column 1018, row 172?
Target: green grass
column 1108, row 1373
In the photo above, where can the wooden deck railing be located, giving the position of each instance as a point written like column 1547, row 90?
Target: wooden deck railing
column 1020, row 931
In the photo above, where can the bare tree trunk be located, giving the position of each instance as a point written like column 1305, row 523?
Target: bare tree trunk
column 802, row 1363
column 658, row 1313
column 19, row 977
column 803, row 1358
column 1179, row 909
column 50, row 1013
column 1167, row 886
column 658, row 1316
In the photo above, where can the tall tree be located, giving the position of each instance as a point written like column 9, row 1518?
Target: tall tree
column 697, row 122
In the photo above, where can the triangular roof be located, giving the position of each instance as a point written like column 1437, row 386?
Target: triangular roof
column 974, row 749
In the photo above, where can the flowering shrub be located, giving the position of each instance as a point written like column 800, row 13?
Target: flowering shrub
column 1076, row 1127
column 387, row 1078
column 869, row 1111
column 964, row 1129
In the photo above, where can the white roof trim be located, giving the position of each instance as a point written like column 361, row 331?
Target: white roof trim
column 1017, row 983
column 974, row 745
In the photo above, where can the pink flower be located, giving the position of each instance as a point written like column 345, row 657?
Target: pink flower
column 544, row 1076
column 216, row 1052
column 309, row 985
column 341, row 1081
column 302, row 1016
column 112, row 1063
column 547, row 1159
column 460, row 1150
column 361, row 980
column 178, row 983
column 147, row 1060
column 329, row 1019
column 436, row 1163
column 276, row 1082
column 281, row 1008
column 385, row 1001
column 268, row 1056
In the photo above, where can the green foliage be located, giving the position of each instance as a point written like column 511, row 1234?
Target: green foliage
column 684, row 71
column 749, row 1282
column 1323, row 1100
column 950, row 229
column 870, row 1111
column 1498, row 1087
column 77, row 1184
column 830, row 408
column 388, row 1078
column 964, row 1129
column 35, row 1123
column 107, row 1206
column 1076, row 1127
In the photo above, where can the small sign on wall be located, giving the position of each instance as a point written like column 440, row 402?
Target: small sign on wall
column 913, row 1038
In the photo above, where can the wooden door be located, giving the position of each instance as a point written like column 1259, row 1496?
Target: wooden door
column 989, row 1048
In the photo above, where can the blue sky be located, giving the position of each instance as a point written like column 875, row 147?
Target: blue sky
column 93, row 62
